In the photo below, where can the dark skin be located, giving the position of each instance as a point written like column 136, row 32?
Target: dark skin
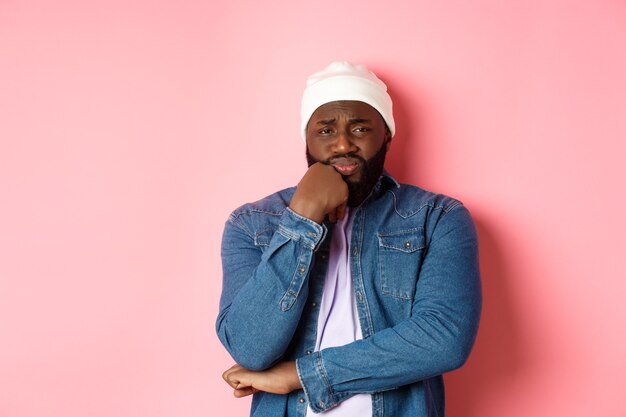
column 340, row 135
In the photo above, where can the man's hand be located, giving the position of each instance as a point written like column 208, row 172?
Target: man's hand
column 322, row 191
column 280, row 379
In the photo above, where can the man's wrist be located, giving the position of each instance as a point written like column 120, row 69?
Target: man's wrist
column 292, row 376
column 300, row 228
column 307, row 210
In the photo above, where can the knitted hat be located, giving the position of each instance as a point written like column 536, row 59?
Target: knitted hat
column 342, row 80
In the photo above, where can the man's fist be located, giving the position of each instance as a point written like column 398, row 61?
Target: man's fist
column 321, row 191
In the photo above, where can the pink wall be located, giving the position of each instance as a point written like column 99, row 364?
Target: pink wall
column 126, row 126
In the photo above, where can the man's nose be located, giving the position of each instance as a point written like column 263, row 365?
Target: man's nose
column 344, row 143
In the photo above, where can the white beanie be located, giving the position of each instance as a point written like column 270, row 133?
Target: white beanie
column 342, row 80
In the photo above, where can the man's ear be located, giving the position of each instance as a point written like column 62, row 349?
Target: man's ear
column 387, row 137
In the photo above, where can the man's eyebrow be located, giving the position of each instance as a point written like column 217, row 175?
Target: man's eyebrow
column 327, row 122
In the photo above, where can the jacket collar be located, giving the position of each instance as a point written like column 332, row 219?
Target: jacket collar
column 385, row 183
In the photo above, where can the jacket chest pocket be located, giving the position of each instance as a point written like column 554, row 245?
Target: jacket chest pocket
column 399, row 259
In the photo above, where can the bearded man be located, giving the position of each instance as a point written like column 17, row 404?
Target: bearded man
column 350, row 294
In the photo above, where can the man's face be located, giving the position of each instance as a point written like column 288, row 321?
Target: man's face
column 353, row 138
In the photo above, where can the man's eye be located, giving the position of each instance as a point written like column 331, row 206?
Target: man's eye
column 324, row 131
column 361, row 129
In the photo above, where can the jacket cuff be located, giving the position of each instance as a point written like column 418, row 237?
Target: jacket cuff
column 315, row 383
column 300, row 228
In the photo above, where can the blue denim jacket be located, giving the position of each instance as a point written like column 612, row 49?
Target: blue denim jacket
column 414, row 263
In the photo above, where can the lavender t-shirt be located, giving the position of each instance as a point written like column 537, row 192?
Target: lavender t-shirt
column 338, row 320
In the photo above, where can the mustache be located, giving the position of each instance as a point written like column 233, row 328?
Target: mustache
column 335, row 158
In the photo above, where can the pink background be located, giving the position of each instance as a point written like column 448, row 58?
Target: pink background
column 130, row 129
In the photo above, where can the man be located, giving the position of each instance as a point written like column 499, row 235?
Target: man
column 350, row 294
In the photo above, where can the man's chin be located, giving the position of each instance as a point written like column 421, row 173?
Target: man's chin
column 352, row 179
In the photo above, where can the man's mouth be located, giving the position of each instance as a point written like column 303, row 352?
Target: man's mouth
column 345, row 166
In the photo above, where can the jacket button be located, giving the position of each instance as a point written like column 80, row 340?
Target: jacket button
column 302, row 270
column 308, row 352
column 314, row 304
column 301, row 400
column 407, row 244
column 359, row 295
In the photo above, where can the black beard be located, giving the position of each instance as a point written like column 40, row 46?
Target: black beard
column 371, row 170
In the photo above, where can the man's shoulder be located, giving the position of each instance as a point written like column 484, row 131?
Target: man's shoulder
column 273, row 204
column 410, row 199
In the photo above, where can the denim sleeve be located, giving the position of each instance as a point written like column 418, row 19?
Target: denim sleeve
column 264, row 292
column 436, row 338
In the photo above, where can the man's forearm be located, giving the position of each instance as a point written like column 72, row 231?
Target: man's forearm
column 280, row 379
column 264, row 292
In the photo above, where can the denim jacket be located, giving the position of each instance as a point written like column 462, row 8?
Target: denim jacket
column 414, row 263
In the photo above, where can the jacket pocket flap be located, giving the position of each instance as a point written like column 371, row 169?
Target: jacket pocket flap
column 405, row 240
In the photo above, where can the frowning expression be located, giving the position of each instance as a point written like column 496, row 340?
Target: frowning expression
column 341, row 131
column 352, row 137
